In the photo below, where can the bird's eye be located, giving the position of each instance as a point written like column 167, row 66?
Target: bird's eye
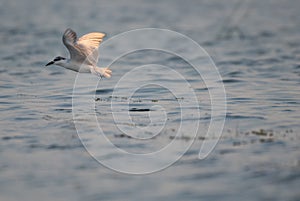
column 58, row 58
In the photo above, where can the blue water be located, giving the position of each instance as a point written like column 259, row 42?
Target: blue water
column 255, row 46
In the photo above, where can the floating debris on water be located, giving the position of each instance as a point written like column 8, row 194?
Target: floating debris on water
column 122, row 136
column 263, row 132
column 139, row 110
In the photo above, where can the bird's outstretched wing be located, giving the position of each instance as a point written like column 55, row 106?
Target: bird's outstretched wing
column 84, row 49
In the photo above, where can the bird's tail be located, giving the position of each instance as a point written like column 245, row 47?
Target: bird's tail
column 102, row 72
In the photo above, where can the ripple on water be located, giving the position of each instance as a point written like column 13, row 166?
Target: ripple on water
column 231, row 80
column 41, row 155
column 233, row 116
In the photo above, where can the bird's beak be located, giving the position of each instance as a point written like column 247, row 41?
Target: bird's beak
column 50, row 63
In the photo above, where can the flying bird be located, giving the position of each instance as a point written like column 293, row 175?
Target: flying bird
column 83, row 53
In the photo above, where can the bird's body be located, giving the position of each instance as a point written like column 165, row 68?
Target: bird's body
column 83, row 53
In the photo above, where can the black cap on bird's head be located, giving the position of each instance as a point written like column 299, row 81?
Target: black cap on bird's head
column 57, row 59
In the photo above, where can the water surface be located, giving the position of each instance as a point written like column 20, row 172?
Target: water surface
column 256, row 48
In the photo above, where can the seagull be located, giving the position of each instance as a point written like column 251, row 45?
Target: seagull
column 83, row 53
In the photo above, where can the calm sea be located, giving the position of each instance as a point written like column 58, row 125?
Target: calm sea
column 255, row 46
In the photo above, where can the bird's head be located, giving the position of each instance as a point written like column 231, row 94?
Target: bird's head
column 57, row 61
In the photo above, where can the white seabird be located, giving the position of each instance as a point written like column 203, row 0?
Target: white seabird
column 83, row 53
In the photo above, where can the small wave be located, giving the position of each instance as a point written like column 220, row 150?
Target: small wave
column 104, row 91
column 245, row 61
column 64, row 110
column 17, row 137
column 55, row 146
column 231, row 116
column 231, row 80
column 234, row 74
column 63, row 147
column 57, row 73
column 139, row 110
